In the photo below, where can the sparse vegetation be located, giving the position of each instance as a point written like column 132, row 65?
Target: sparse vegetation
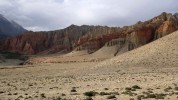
column 136, row 87
column 151, row 96
column 90, row 93
column 9, row 93
column 43, row 95
column 167, row 89
column 106, row 89
column 128, row 92
column 108, row 93
column 139, row 97
column 128, row 89
column 20, row 96
column 104, row 93
column 30, row 85
column 133, row 88
column 160, row 96
column 63, row 94
column 73, row 90
column 111, row 97
column 16, row 93
column 1, row 92
column 58, row 98
column 156, row 96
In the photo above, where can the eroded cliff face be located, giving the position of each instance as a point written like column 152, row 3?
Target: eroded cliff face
column 148, row 31
column 92, row 38
column 168, row 26
column 45, row 42
column 135, row 35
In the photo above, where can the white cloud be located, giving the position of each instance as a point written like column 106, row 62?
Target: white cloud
column 55, row 14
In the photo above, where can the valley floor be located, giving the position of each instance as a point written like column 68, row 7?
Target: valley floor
column 83, row 81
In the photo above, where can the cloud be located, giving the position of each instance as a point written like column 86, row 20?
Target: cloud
column 40, row 15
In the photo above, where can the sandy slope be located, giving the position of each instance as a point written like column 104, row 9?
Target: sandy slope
column 74, row 56
column 79, row 56
column 106, row 52
column 162, row 52
column 76, row 53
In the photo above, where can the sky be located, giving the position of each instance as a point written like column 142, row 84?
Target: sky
column 44, row 15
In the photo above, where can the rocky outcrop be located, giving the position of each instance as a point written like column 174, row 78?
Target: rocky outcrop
column 92, row 44
column 135, row 35
column 169, row 26
column 45, row 42
column 145, row 32
column 92, row 38
column 140, row 36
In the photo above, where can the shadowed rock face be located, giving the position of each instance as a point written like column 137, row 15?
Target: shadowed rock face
column 140, row 36
column 91, row 38
column 9, row 28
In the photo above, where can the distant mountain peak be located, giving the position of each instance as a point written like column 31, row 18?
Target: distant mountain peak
column 9, row 28
column 2, row 18
column 16, row 24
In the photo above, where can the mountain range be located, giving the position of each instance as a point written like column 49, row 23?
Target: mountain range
column 92, row 38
